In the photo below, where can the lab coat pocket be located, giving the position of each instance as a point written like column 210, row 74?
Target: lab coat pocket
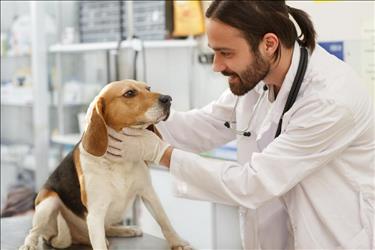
column 363, row 239
column 266, row 137
column 359, row 241
column 367, row 201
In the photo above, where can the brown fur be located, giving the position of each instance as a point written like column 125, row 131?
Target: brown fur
column 95, row 138
column 114, row 114
column 81, row 178
column 44, row 194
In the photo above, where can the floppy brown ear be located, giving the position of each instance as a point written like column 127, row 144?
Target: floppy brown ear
column 95, row 138
column 153, row 128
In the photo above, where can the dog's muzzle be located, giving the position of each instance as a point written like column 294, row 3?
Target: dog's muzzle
column 165, row 102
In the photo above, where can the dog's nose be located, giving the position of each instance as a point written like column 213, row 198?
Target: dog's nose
column 165, row 99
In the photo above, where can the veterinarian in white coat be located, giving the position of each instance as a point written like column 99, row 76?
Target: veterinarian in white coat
column 310, row 188
column 320, row 169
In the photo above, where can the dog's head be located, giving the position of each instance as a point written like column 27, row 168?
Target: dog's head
column 122, row 104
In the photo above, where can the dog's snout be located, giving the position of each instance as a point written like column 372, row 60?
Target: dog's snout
column 165, row 99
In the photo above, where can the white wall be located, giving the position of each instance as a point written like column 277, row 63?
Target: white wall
column 351, row 22
column 348, row 21
column 338, row 20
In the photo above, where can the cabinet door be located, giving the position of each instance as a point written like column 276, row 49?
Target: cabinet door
column 193, row 220
column 205, row 225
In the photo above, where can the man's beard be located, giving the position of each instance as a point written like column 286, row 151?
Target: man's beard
column 250, row 77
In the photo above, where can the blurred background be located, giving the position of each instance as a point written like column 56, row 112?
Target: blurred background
column 57, row 55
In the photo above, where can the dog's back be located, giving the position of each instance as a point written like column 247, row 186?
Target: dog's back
column 64, row 182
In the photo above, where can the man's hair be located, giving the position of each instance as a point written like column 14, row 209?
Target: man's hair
column 257, row 18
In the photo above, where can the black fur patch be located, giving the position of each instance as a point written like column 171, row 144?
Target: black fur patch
column 64, row 181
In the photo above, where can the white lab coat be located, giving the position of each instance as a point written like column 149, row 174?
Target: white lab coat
column 313, row 186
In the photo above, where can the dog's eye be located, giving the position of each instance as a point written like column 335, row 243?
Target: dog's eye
column 148, row 88
column 130, row 93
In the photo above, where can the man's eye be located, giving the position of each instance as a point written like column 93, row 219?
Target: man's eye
column 225, row 54
column 130, row 93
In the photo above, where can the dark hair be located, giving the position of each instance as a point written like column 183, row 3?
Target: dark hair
column 256, row 18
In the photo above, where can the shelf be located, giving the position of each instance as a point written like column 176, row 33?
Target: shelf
column 82, row 47
column 68, row 139
column 17, row 104
column 26, row 56
column 221, row 154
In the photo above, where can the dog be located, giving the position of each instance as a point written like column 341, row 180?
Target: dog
column 86, row 197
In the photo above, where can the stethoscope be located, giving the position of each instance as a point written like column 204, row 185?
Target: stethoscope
column 301, row 70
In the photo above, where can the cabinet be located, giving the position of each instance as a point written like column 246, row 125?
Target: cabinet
column 163, row 79
column 25, row 102
column 205, row 225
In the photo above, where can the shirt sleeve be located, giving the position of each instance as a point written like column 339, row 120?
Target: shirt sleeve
column 316, row 134
column 200, row 130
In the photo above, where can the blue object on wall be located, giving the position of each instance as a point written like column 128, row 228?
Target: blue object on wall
column 334, row 48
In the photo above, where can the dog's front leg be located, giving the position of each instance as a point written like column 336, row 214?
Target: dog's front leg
column 153, row 204
column 96, row 227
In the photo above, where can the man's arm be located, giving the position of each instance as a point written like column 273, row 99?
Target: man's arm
column 166, row 158
column 200, row 130
column 316, row 134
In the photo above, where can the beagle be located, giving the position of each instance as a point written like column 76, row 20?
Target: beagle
column 86, row 197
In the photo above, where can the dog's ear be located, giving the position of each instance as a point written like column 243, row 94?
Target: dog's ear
column 153, row 128
column 95, row 138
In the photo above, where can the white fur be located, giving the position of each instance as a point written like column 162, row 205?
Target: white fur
column 155, row 113
column 123, row 181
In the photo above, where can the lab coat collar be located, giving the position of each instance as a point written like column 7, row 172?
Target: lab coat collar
column 259, row 87
column 282, row 96
column 273, row 116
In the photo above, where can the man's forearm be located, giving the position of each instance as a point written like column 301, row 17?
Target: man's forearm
column 166, row 158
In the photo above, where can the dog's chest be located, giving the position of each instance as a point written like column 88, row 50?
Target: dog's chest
column 113, row 181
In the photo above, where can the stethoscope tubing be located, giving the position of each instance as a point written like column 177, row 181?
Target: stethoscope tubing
column 293, row 93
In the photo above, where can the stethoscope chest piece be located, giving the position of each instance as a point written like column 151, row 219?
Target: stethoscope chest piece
column 290, row 101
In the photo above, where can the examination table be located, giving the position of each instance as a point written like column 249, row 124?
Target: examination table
column 14, row 230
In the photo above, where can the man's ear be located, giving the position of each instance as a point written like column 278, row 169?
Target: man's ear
column 269, row 45
column 95, row 138
column 153, row 128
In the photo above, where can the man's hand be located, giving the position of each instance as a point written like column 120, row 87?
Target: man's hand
column 135, row 145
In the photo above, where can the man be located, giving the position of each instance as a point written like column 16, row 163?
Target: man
column 309, row 176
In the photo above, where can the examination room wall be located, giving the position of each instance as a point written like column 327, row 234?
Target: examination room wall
column 347, row 25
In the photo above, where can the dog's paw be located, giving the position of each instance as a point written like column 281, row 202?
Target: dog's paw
column 132, row 231
column 137, row 232
column 27, row 247
column 107, row 243
column 182, row 246
column 124, row 231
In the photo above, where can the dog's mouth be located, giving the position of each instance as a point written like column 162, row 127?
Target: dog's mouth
column 166, row 115
column 143, row 124
column 163, row 117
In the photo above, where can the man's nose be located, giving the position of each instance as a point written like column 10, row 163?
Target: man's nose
column 217, row 65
